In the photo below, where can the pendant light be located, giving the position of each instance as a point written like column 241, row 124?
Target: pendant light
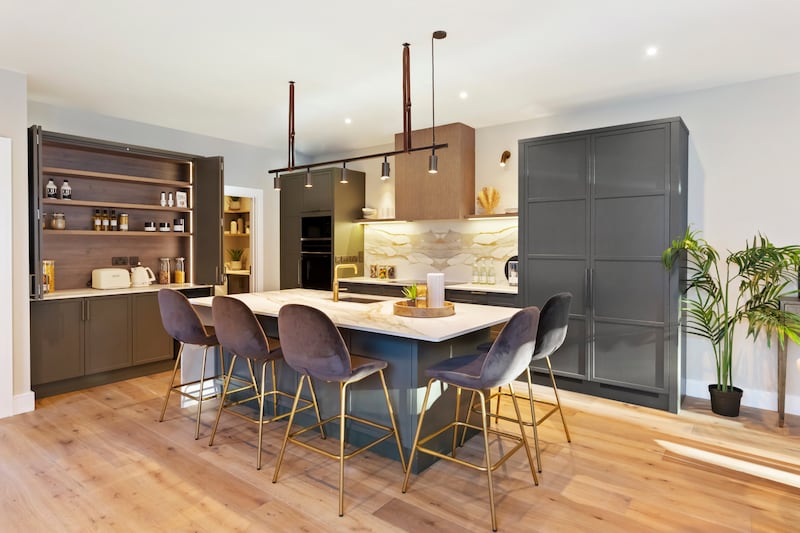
column 343, row 179
column 385, row 169
column 308, row 179
column 433, row 160
column 276, row 182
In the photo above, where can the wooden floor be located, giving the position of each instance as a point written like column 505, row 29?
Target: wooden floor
column 97, row 460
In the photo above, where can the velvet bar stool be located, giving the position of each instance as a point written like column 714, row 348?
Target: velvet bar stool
column 239, row 331
column 508, row 357
column 553, row 323
column 315, row 349
column 183, row 324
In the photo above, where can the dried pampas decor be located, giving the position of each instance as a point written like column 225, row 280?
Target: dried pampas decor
column 488, row 199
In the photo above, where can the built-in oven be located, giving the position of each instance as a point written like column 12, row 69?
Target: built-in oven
column 316, row 253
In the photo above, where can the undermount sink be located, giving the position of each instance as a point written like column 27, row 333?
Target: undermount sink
column 360, row 300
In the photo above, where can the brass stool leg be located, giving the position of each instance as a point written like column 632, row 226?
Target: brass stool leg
column 499, row 396
column 487, row 458
column 455, row 428
column 171, row 383
column 222, row 400
column 261, row 413
column 394, row 424
column 533, row 418
column 288, row 428
column 342, row 419
column 469, row 414
column 416, row 435
column 274, row 388
column 200, row 393
column 525, row 439
column 555, row 390
column 316, row 408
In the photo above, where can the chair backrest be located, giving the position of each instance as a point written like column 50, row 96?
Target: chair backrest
column 311, row 343
column 180, row 319
column 237, row 328
column 553, row 322
column 512, row 350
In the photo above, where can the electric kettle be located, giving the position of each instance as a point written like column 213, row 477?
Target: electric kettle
column 141, row 276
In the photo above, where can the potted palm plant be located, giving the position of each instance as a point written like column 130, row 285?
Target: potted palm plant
column 744, row 287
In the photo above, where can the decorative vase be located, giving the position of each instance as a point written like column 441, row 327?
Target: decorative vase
column 725, row 403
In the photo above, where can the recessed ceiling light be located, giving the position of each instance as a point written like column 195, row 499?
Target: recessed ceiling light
column 463, row 95
column 348, row 120
column 651, row 51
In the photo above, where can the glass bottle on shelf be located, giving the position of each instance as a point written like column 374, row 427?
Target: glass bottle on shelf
column 163, row 270
column 112, row 223
column 50, row 190
column 163, row 199
column 97, row 221
column 490, row 275
column 482, row 275
column 105, row 220
column 180, row 270
column 66, row 191
column 476, row 272
column 170, row 200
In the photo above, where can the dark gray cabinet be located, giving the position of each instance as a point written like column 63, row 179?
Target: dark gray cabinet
column 107, row 333
column 151, row 342
column 597, row 208
column 342, row 202
column 56, row 340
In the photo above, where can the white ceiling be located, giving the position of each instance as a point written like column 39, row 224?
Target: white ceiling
column 221, row 68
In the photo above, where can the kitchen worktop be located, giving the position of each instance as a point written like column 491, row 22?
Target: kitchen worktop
column 504, row 288
column 377, row 314
column 89, row 292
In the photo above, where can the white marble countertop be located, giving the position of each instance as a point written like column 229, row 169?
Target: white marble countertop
column 89, row 292
column 377, row 317
column 459, row 286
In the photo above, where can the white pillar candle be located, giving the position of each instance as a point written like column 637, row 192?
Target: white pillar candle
column 436, row 289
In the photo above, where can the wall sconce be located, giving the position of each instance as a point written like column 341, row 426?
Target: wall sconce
column 385, row 169
column 505, row 156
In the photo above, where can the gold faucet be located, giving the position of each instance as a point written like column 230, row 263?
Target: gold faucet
column 336, row 278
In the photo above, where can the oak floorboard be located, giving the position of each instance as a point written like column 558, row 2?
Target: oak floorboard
column 97, row 460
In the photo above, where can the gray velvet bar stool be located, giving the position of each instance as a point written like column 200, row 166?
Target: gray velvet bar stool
column 508, row 357
column 315, row 349
column 553, row 323
column 183, row 324
column 240, row 332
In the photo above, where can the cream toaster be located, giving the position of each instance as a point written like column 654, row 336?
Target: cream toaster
column 110, row 278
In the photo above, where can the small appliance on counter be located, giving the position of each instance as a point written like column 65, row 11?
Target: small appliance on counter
column 141, row 276
column 110, row 278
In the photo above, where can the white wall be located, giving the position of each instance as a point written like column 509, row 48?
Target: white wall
column 15, row 393
column 743, row 179
column 245, row 165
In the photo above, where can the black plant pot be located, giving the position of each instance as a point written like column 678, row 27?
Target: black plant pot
column 725, row 403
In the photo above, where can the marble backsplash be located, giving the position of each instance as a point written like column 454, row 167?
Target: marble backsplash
column 448, row 246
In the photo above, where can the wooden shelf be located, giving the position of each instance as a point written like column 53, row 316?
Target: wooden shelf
column 378, row 220
column 236, row 212
column 496, row 215
column 114, row 205
column 86, row 232
column 115, row 177
column 229, row 234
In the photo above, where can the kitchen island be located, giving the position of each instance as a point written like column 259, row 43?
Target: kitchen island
column 409, row 345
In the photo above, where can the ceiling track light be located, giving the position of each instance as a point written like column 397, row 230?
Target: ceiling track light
column 433, row 160
column 385, row 170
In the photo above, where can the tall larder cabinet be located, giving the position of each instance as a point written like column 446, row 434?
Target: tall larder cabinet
column 597, row 208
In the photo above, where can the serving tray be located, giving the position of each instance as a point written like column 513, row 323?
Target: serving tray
column 402, row 308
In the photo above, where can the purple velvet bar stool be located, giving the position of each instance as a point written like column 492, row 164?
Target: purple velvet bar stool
column 315, row 349
column 553, row 323
column 508, row 357
column 183, row 324
column 240, row 332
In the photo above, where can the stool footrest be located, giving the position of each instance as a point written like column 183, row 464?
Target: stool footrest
column 455, row 426
column 389, row 434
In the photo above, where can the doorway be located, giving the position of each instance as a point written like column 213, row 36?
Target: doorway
column 241, row 241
